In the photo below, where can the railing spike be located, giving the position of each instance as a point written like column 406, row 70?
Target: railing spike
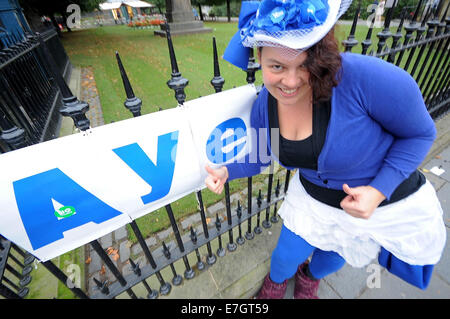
column 132, row 102
column 368, row 40
column 193, row 235
column 177, row 82
column 240, row 240
column 239, row 210
column 277, row 188
column 385, row 33
column 15, row 137
column 416, row 12
column 177, row 279
column 188, row 273
column 259, row 199
column 114, row 270
column 258, row 229
column 249, row 235
column 166, row 251
column 211, row 258
column 72, row 107
column 220, row 250
column 102, row 286
column 444, row 16
column 135, row 267
column 231, row 246
column 252, row 67
column 217, row 81
column 350, row 42
column 165, row 287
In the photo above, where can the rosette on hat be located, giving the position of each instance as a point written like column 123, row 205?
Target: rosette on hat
column 294, row 24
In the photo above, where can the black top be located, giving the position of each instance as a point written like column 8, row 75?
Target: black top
column 305, row 153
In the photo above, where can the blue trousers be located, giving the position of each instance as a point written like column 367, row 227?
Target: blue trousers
column 292, row 250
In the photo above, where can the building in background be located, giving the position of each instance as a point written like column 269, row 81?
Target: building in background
column 126, row 11
column 13, row 24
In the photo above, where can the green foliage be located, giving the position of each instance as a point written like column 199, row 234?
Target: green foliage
column 50, row 7
column 160, row 4
column 354, row 7
column 367, row 7
column 207, row 2
column 220, row 10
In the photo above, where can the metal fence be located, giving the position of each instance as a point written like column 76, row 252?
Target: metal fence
column 28, row 92
column 420, row 46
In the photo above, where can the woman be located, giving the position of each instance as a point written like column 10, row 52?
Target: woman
column 356, row 129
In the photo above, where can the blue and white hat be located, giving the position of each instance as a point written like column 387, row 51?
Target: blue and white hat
column 292, row 24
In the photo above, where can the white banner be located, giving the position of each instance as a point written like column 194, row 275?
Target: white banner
column 58, row 195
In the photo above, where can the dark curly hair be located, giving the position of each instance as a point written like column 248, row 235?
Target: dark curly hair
column 323, row 63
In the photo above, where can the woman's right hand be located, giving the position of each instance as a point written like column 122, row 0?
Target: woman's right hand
column 216, row 178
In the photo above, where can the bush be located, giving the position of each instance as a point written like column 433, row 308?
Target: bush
column 410, row 5
column 221, row 11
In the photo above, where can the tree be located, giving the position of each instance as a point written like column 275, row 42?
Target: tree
column 160, row 4
column 200, row 3
column 50, row 8
column 409, row 6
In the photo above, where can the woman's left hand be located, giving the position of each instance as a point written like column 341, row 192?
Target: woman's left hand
column 361, row 201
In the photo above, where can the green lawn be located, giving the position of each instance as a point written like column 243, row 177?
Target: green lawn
column 146, row 60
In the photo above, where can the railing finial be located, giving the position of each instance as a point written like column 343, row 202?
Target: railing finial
column 252, row 67
column 217, row 81
column 350, row 42
column 72, row 107
column 177, row 82
column 132, row 102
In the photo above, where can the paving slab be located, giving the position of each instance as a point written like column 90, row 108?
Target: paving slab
column 442, row 268
column 444, row 199
column 393, row 287
column 121, row 233
column 440, row 165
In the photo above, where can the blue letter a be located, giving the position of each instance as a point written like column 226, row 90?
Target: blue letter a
column 158, row 176
column 35, row 195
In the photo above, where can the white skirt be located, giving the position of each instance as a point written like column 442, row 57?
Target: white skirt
column 412, row 229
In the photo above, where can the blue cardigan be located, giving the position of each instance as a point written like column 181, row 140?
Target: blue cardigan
column 379, row 130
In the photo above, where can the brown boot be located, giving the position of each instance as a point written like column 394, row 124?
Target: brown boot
column 305, row 287
column 272, row 290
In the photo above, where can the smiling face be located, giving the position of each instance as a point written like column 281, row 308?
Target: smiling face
column 286, row 78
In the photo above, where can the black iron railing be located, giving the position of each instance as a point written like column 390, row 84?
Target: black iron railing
column 421, row 42
column 28, row 92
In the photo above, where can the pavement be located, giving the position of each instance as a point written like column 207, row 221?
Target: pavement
column 239, row 274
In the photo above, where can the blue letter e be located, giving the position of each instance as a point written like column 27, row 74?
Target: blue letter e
column 226, row 141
